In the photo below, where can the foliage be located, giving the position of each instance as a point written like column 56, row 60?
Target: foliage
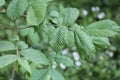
column 33, row 36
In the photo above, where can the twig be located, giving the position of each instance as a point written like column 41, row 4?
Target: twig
column 6, row 27
column 26, row 27
column 13, row 72
column 45, row 32
column 3, row 12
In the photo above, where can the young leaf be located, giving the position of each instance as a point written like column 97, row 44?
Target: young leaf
column 36, row 11
column 84, row 44
column 2, row 2
column 64, row 60
column 16, row 8
column 56, row 75
column 56, row 18
column 35, row 56
column 6, row 46
column 101, row 42
column 69, row 15
column 14, row 38
column 54, row 14
column 104, row 28
column 22, row 45
column 59, row 39
column 24, row 63
column 7, row 59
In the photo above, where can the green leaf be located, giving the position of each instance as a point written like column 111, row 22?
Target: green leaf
column 22, row 45
column 7, row 59
column 41, row 75
column 103, row 24
column 104, row 28
column 46, row 74
column 71, row 40
column 24, row 32
column 40, row 1
column 31, row 18
column 16, row 8
column 24, row 63
column 59, row 39
column 2, row 2
column 56, row 75
column 38, row 74
column 101, row 42
column 84, row 44
column 54, row 14
column 56, row 18
column 33, row 37
column 6, row 46
column 69, row 15
column 100, row 32
column 36, row 12
column 15, row 38
column 64, row 60
column 35, row 56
